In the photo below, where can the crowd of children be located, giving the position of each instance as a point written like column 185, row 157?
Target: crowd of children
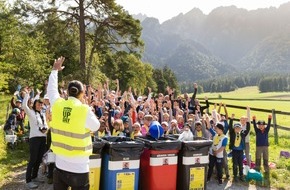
column 130, row 114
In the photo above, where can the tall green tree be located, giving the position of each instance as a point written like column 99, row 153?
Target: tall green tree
column 171, row 79
column 130, row 71
column 165, row 77
column 160, row 80
column 7, row 27
column 23, row 56
column 106, row 26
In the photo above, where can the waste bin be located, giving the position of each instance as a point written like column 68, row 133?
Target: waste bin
column 192, row 164
column 95, row 164
column 158, row 169
column 121, row 163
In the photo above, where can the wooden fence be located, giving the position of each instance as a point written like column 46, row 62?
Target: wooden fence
column 274, row 112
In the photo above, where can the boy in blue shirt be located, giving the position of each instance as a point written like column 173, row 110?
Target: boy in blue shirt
column 216, row 151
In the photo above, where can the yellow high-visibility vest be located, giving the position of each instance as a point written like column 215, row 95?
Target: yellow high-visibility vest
column 115, row 133
column 68, row 133
column 101, row 134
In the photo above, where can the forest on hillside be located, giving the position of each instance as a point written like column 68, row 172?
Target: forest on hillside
column 99, row 39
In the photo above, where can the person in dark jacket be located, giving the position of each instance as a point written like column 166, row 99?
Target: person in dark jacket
column 11, row 122
column 262, row 142
column 237, row 145
column 21, row 116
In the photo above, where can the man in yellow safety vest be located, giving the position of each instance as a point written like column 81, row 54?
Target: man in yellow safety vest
column 72, row 122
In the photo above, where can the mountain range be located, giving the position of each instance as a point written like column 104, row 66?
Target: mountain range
column 228, row 40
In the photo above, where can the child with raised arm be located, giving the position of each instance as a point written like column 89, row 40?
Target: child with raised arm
column 224, row 119
column 243, row 121
column 237, row 145
column 216, row 151
column 262, row 142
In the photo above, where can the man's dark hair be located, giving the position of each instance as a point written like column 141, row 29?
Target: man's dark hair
column 75, row 88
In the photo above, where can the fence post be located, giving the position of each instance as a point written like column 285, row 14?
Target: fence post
column 7, row 111
column 275, row 126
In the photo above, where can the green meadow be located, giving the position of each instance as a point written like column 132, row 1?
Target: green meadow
column 250, row 96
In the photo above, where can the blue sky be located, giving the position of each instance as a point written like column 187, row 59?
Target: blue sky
column 166, row 9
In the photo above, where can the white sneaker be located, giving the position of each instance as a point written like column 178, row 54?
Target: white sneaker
column 37, row 180
column 31, row 185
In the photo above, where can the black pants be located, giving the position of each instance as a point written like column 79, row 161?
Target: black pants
column 63, row 179
column 50, row 170
column 218, row 163
column 37, row 146
column 238, row 156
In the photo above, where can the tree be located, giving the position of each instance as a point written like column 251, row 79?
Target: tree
column 130, row 71
column 160, row 80
column 103, row 23
column 23, row 56
column 170, row 77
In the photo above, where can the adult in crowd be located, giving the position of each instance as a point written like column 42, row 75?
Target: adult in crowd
column 71, row 124
column 37, row 139
column 21, row 116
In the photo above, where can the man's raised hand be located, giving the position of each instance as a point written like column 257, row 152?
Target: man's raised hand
column 57, row 65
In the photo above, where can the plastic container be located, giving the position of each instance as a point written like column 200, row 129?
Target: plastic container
column 159, row 164
column 193, row 163
column 95, row 164
column 121, row 163
column 10, row 138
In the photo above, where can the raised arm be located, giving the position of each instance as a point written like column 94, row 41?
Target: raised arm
column 118, row 86
column 52, row 87
column 194, row 94
column 255, row 124
column 25, row 107
column 12, row 103
column 248, row 114
column 269, row 123
column 219, row 109
column 231, row 123
column 226, row 112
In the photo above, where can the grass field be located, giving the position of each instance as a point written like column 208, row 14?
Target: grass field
column 280, row 103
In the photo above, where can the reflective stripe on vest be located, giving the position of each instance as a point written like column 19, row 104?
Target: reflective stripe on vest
column 68, row 133
column 71, row 148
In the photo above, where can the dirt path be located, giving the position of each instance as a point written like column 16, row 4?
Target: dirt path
column 17, row 182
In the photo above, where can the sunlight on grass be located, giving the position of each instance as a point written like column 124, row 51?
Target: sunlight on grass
column 9, row 159
column 253, row 93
